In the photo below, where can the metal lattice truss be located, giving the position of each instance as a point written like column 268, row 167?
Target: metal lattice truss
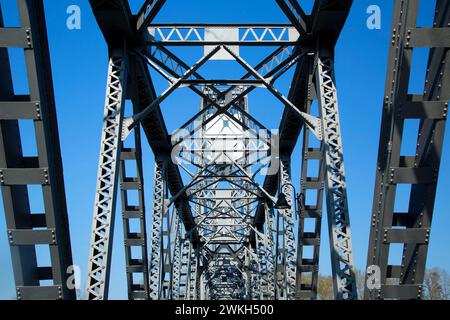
column 310, row 208
column 108, row 174
column 223, row 34
column 158, row 213
column 226, row 219
column 286, row 253
column 222, row 190
column 337, row 206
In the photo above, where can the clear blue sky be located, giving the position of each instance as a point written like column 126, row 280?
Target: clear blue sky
column 79, row 61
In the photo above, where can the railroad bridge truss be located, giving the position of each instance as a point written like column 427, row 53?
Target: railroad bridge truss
column 237, row 227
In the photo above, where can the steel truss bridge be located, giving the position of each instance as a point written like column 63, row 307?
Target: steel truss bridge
column 221, row 234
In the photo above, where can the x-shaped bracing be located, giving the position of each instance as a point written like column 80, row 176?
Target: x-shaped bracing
column 267, row 81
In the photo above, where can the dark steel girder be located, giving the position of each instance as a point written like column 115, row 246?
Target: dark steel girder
column 328, row 19
column 325, row 25
column 49, row 227
column 296, row 15
column 148, row 12
column 115, row 20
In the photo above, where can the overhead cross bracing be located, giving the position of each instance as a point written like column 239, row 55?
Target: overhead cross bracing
column 227, row 219
column 225, row 198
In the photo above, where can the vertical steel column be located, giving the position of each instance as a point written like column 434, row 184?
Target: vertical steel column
column 193, row 273
column 199, row 283
column 270, row 257
column 184, row 271
column 246, row 276
column 410, row 229
column 176, row 261
column 288, row 227
column 28, row 229
column 252, row 273
column 166, row 246
column 262, row 266
column 159, row 208
column 108, row 172
column 310, row 207
column 257, row 268
column 136, row 262
column 337, row 206
column 280, row 287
